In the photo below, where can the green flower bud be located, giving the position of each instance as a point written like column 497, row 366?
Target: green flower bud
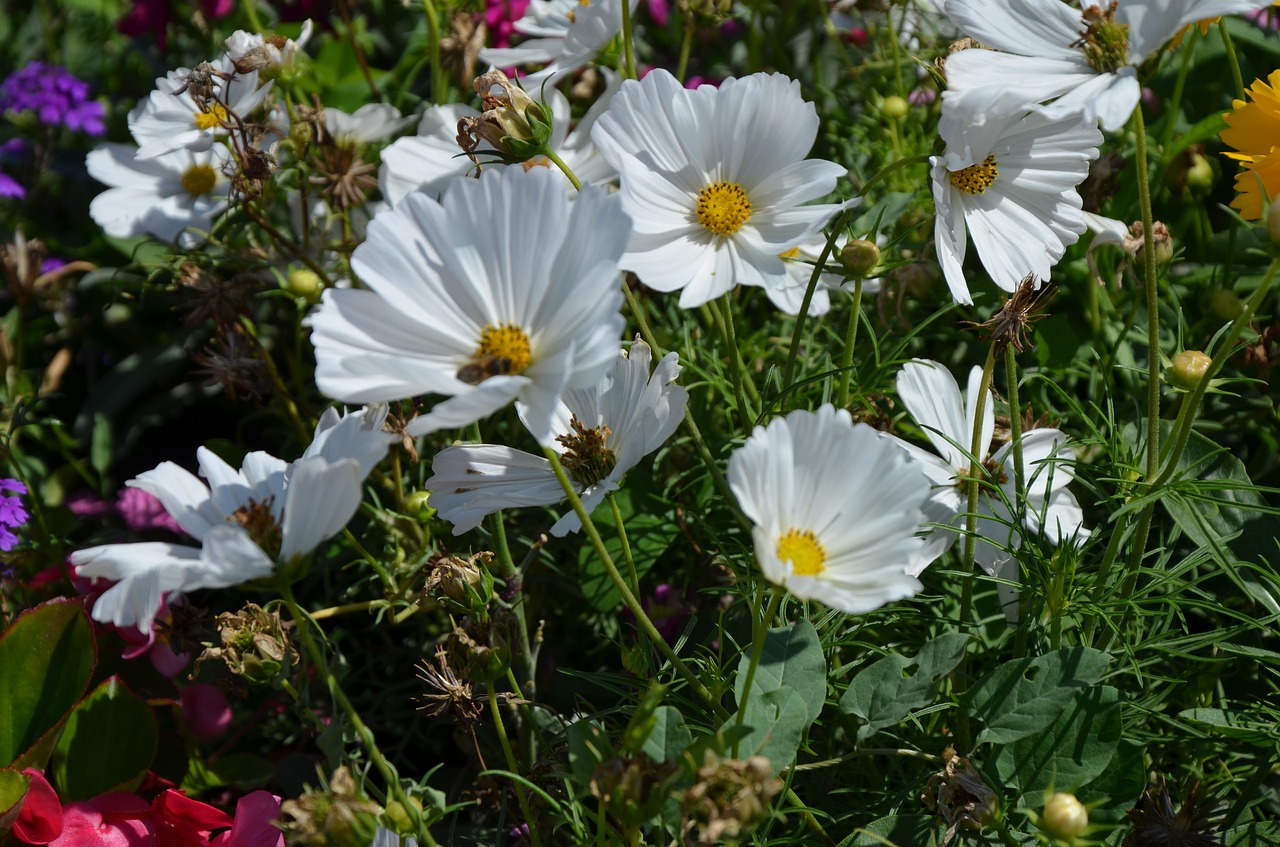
column 1064, row 817
column 1200, row 176
column 1187, row 369
column 416, row 504
column 859, row 257
column 895, row 107
column 1225, row 305
column 304, row 283
column 516, row 126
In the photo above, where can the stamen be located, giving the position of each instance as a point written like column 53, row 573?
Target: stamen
column 257, row 519
column 976, row 179
column 215, row 115
column 801, row 548
column 723, row 207
column 503, row 351
column 199, row 179
column 587, row 457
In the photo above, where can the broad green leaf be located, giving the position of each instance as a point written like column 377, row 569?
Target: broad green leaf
column 13, row 788
column 1265, row 834
column 589, row 745
column 1066, row 756
column 1026, row 696
column 52, row 643
column 883, row 694
column 650, row 531
column 791, row 658
column 1114, row 791
column 897, row 831
column 776, row 721
column 643, row 720
column 669, row 737
column 108, row 743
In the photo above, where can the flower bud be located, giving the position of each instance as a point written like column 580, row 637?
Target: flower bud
column 1188, row 368
column 859, row 257
column 416, row 504
column 1225, row 305
column 1200, row 176
column 304, row 283
column 1064, row 817
column 515, row 126
column 895, row 107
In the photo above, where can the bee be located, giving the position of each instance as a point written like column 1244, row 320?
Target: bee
column 478, row 370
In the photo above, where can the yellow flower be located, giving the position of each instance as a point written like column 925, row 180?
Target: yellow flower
column 1252, row 129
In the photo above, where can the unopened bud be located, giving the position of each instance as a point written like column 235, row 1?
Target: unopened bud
column 859, row 257
column 304, row 283
column 1200, row 176
column 1064, row 817
column 895, row 107
column 1188, row 368
column 1225, row 305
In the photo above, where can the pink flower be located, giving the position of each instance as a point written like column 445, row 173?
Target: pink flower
column 40, row 819
column 205, row 710
column 659, row 10
column 109, row 820
column 142, row 511
column 182, row 822
column 253, row 827
column 500, row 17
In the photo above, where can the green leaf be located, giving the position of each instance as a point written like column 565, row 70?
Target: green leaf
column 1026, row 696
column 13, row 789
column 897, row 831
column 108, row 743
column 101, row 449
column 882, row 695
column 650, row 531
column 791, row 658
column 52, row 643
column 1114, row 791
column 776, row 721
column 669, row 738
column 1265, row 834
column 589, row 745
column 1233, row 725
column 1066, row 756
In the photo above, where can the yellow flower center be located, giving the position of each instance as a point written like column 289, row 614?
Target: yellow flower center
column 215, row 116
column 976, row 179
column 723, row 207
column 800, row 547
column 793, row 253
column 503, row 350
column 199, row 179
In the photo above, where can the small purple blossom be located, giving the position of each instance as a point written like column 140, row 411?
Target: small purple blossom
column 141, row 511
column 12, row 513
column 55, row 96
column 10, row 187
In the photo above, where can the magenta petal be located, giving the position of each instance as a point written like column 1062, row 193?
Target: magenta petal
column 111, row 820
column 40, row 820
column 205, row 710
column 253, row 827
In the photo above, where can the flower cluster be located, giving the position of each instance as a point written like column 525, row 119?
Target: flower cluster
column 12, row 513
column 54, row 96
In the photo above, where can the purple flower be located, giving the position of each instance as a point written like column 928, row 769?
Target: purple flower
column 13, row 486
column 12, row 513
column 7, row 540
column 10, row 187
column 55, row 96
column 141, row 511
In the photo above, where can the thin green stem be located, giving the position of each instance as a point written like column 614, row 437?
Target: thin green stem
column 735, row 361
column 1015, row 431
column 1153, row 298
column 621, row 526
column 564, row 169
column 760, row 628
column 973, row 484
column 372, row 560
column 850, row 339
column 433, row 50
column 686, row 46
column 788, row 370
column 525, row 809
column 1232, row 61
column 1175, row 102
column 642, row 617
column 628, row 46
column 302, row 626
column 277, row 383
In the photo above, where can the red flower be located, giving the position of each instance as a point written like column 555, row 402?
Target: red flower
column 40, row 820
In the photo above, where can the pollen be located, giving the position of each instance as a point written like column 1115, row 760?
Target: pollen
column 258, row 519
column 587, row 457
column 723, row 207
column 215, row 115
column 800, row 547
column 976, row 179
column 199, row 179
column 503, row 351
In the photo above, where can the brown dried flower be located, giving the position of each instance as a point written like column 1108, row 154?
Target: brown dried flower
column 1018, row 313
column 447, row 695
column 729, row 798
column 1156, row 824
column 959, row 796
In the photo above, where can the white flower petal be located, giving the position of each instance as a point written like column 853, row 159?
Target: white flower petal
column 321, row 498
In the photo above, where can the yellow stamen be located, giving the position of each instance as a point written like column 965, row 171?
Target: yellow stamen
column 199, row 179
column 976, row 179
column 503, row 350
column 723, row 207
column 215, row 116
column 801, row 548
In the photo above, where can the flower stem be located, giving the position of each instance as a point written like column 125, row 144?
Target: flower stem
column 512, row 766
column 1015, row 432
column 1171, row 116
column 642, row 618
column 433, row 50
column 686, row 46
column 977, row 452
column 302, row 625
column 565, row 169
column 1232, row 61
column 735, row 361
column 850, row 339
column 621, row 526
column 628, row 48
column 788, row 370
column 1153, row 298
column 760, row 627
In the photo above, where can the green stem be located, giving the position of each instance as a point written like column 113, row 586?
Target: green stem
column 686, row 46
column 511, row 765
column 277, row 383
column 735, row 361
column 977, row 452
column 621, row 526
column 1232, row 61
column 565, row 169
column 628, row 48
column 394, row 787
column 1175, row 102
column 760, row 629
column 642, row 617
column 1153, row 299
column 789, row 369
column 850, row 339
column 1015, row 432
column 433, row 50
column 372, row 561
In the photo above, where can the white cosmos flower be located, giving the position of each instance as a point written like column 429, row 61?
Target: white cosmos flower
column 432, row 159
column 371, row 122
column 1010, row 181
column 507, row 290
column 601, row 433
column 714, row 179
column 171, row 118
column 1088, row 61
column 565, row 34
column 176, row 195
column 836, row 509
column 246, row 521
column 932, row 396
column 255, row 50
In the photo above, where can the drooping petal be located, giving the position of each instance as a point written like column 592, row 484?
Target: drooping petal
column 321, row 499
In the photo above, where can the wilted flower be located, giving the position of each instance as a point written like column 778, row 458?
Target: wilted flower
column 512, row 125
column 1157, row 824
column 339, row 816
column 959, row 796
column 729, row 798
